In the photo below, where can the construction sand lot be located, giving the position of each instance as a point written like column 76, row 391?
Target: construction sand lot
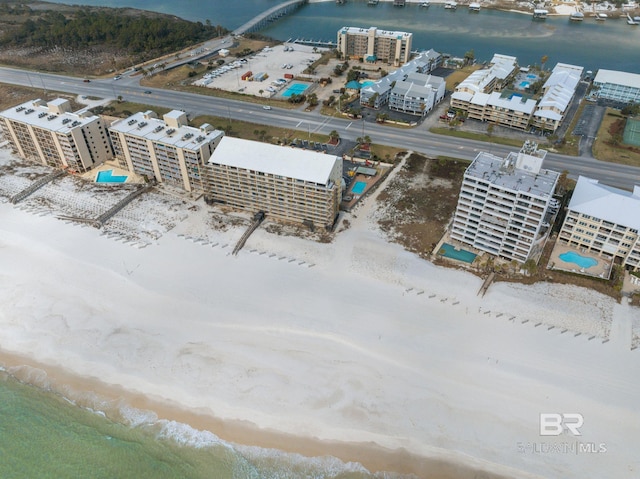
column 274, row 61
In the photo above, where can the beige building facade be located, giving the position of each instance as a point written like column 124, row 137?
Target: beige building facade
column 167, row 149
column 371, row 44
column 51, row 134
column 288, row 184
column 605, row 221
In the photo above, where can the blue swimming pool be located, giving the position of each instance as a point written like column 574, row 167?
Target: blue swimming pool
column 107, row 176
column 294, row 89
column 448, row 251
column 532, row 77
column 524, row 84
column 582, row 261
column 358, row 187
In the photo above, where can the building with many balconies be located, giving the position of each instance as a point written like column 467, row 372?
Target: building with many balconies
column 557, row 93
column 51, row 134
column 167, row 149
column 504, row 204
column 617, row 86
column 409, row 89
column 604, row 220
column 371, row 45
column 288, row 184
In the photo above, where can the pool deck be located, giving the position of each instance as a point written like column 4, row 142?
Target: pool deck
column 117, row 171
column 600, row 270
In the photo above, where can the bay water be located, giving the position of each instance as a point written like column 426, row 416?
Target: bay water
column 44, row 435
column 610, row 45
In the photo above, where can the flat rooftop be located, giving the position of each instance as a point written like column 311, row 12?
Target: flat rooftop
column 39, row 114
column 275, row 160
column 143, row 125
column 517, row 172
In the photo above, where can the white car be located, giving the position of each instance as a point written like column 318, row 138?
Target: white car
column 266, row 107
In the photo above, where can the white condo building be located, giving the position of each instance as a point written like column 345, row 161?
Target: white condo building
column 605, row 221
column 557, row 93
column 618, row 86
column 372, row 44
column 167, row 149
column 288, row 184
column 410, row 88
column 503, row 207
column 51, row 134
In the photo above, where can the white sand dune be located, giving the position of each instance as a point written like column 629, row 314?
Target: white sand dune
column 356, row 341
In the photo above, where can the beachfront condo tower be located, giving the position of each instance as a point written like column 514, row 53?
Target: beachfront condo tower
column 504, row 204
column 166, row 150
column 51, row 134
column 288, row 184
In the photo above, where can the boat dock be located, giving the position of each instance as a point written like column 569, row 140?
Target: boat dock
column 313, row 43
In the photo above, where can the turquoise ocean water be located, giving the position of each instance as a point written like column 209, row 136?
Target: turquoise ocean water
column 44, row 435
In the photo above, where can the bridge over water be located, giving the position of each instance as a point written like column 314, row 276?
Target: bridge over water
column 269, row 16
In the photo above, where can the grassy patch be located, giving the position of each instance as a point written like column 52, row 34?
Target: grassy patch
column 476, row 136
column 124, row 109
column 419, row 202
column 255, row 131
column 458, row 76
column 605, row 147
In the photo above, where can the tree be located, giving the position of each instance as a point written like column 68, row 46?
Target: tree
column 469, row 57
column 543, row 60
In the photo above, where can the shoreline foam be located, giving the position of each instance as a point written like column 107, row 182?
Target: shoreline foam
column 346, row 353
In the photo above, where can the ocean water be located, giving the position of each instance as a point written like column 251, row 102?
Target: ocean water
column 44, row 435
column 588, row 43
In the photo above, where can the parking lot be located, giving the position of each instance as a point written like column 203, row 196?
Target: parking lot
column 267, row 73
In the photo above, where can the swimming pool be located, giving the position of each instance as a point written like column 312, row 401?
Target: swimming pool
column 582, row 261
column 294, row 89
column 358, row 187
column 524, row 84
column 107, row 176
column 448, row 251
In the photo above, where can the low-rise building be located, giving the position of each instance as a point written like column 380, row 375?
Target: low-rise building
column 557, row 93
column 411, row 86
column 167, row 149
column 417, row 94
column 371, row 45
column 618, row 86
column 506, row 108
column 495, row 77
column 504, row 204
column 51, row 134
column 288, row 184
column 605, row 221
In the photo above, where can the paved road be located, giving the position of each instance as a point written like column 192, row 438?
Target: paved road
column 418, row 139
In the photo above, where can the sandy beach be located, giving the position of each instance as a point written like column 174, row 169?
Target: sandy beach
column 356, row 348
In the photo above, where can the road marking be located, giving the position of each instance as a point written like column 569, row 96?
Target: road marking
column 299, row 123
column 347, row 127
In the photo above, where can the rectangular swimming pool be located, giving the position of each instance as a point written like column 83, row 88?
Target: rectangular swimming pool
column 294, row 89
column 358, row 187
column 448, row 251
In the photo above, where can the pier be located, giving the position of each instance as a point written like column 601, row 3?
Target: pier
column 313, row 43
column 258, row 218
column 271, row 15
column 35, row 186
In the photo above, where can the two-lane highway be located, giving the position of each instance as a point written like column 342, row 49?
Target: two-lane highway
column 417, row 139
